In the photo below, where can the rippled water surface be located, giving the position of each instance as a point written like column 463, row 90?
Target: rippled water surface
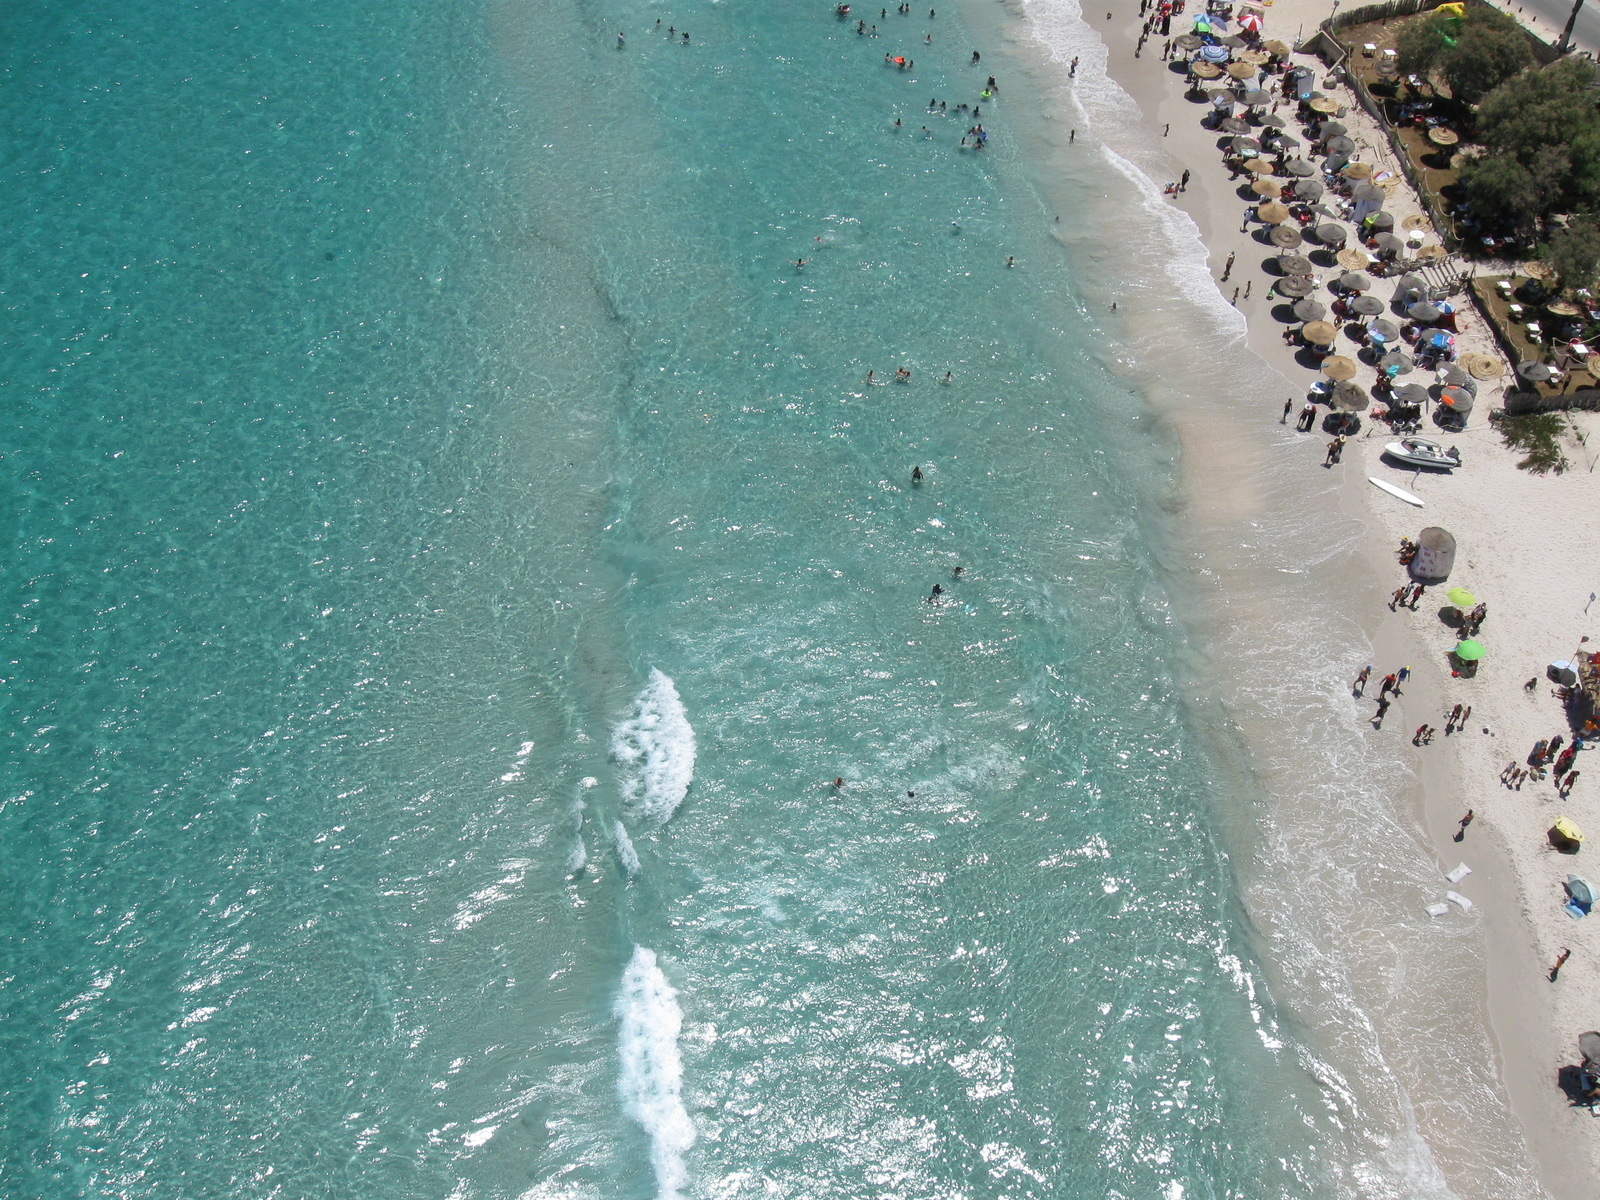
column 453, row 550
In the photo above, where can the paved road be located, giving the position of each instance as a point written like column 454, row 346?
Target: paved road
column 1548, row 17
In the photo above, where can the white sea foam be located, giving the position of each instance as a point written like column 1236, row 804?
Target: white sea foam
column 626, row 854
column 655, row 749
column 650, row 1080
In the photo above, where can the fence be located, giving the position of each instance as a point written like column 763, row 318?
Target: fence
column 1519, row 402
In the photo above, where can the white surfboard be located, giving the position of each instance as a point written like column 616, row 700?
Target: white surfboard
column 1398, row 492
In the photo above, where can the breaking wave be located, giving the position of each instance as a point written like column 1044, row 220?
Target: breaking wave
column 651, row 1077
column 655, row 748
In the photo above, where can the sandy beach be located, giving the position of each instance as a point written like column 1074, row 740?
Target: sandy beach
column 1515, row 554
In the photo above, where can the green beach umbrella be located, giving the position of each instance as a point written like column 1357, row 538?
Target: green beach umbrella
column 1469, row 650
column 1461, row 598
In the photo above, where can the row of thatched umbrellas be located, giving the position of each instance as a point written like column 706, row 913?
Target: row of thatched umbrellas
column 1297, row 281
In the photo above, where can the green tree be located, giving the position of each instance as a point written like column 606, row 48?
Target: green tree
column 1548, row 123
column 1423, row 43
column 1486, row 55
column 1472, row 54
column 1502, row 192
column 1551, row 106
column 1575, row 253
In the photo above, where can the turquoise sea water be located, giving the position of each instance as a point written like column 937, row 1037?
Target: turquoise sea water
column 452, row 549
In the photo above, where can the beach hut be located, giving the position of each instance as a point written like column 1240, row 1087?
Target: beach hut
column 1435, row 557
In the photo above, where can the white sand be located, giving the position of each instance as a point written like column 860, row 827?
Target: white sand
column 1520, row 553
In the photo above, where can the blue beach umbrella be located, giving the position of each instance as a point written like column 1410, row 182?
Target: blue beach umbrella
column 1214, row 54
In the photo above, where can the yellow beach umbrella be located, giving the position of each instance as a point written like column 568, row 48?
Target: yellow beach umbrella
column 1568, row 829
column 1461, row 598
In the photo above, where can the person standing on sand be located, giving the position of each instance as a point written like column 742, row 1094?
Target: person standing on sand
column 1308, row 417
column 1417, row 595
column 1183, row 180
column 1566, row 784
column 1450, row 721
column 1338, row 448
column 1333, row 453
column 1227, row 267
column 1287, row 405
column 1383, row 707
column 1403, row 674
column 1399, row 596
column 1416, row 738
column 1247, row 284
column 1561, row 961
column 1359, row 687
column 1387, row 685
column 1461, row 834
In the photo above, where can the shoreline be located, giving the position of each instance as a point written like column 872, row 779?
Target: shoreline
column 1526, row 1028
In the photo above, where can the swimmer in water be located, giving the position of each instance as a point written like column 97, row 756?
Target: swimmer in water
column 872, row 377
column 916, row 474
column 621, row 41
column 938, row 590
column 947, row 377
column 799, row 262
column 903, row 375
